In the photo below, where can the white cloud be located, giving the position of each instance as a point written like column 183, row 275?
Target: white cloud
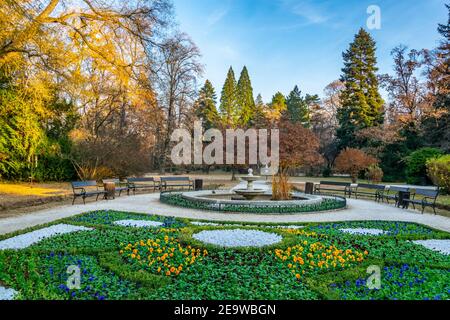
column 216, row 16
column 306, row 9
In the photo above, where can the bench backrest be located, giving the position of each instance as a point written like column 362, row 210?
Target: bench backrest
column 83, row 184
column 335, row 183
column 371, row 186
column 399, row 189
column 427, row 193
column 133, row 180
column 116, row 181
column 169, row 179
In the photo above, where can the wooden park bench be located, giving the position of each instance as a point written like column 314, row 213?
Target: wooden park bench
column 369, row 190
column 141, row 183
column 85, row 189
column 176, row 182
column 393, row 193
column 119, row 185
column 429, row 198
column 334, row 186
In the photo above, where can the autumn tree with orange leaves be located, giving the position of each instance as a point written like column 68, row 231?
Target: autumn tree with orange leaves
column 353, row 161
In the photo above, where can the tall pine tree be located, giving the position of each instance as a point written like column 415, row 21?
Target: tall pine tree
column 205, row 106
column 298, row 107
column 246, row 102
column 362, row 105
column 229, row 101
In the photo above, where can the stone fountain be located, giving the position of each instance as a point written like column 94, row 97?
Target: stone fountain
column 250, row 193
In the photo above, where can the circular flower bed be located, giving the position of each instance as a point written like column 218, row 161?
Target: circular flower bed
column 197, row 200
column 238, row 238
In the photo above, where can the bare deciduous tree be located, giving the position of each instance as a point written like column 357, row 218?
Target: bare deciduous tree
column 176, row 79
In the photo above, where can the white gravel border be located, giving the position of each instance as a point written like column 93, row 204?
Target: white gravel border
column 138, row 223
column 27, row 239
column 206, row 224
column 364, row 231
column 238, row 238
column 7, row 293
column 442, row 246
column 286, row 227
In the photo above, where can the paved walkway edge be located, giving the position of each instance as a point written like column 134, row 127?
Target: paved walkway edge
column 358, row 210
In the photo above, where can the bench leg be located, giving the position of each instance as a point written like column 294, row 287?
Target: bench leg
column 84, row 200
column 73, row 201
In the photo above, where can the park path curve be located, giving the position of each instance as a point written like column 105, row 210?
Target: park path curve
column 358, row 210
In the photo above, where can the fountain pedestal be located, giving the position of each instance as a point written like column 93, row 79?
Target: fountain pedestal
column 250, row 193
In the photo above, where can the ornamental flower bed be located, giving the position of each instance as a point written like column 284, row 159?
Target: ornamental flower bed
column 318, row 257
column 119, row 262
column 162, row 256
column 391, row 228
column 400, row 282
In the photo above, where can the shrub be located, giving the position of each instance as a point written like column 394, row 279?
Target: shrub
column 374, row 174
column 439, row 172
column 326, row 173
column 353, row 161
column 416, row 170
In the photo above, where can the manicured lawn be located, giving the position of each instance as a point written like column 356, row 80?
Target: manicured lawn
column 316, row 262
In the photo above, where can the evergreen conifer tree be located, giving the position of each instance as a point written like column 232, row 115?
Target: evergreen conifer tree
column 246, row 102
column 205, row 106
column 362, row 105
column 298, row 107
column 229, row 101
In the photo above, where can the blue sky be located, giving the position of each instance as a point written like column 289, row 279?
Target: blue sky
column 289, row 42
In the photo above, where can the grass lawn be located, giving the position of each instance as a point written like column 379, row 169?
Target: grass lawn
column 316, row 262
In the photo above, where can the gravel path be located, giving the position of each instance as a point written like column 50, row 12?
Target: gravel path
column 442, row 246
column 138, row 223
column 238, row 238
column 358, row 210
column 27, row 239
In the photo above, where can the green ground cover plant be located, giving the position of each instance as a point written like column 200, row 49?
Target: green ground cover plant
column 317, row 262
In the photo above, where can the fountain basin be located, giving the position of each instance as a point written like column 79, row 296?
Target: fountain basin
column 249, row 194
column 261, row 204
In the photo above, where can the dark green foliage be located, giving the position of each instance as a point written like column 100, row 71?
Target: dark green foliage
column 362, row 105
column 176, row 199
column 108, row 217
column 394, row 155
column 233, row 275
column 44, row 276
column 205, row 107
column 397, row 229
column 416, row 170
column 246, row 103
column 298, row 107
column 229, row 100
column 33, row 143
column 21, row 135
